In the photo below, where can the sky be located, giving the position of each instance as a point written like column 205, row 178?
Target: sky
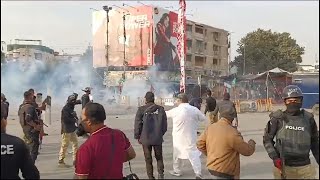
column 67, row 24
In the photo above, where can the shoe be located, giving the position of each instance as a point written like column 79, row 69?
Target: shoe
column 160, row 176
column 173, row 173
column 63, row 164
column 198, row 176
column 45, row 134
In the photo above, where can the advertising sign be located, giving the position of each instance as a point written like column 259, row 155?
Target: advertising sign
column 165, row 40
column 130, row 44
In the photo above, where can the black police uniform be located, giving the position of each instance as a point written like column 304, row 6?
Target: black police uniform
column 15, row 156
column 27, row 113
column 299, row 133
column 6, row 106
column 295, row 130
column 68, row 118
column 85, row 99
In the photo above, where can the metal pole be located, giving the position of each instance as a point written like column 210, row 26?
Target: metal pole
column 107, row 9
column 124, row 45
column 229, row 60
column 244, row 59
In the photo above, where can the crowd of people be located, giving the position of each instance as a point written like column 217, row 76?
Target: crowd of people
column 105, row 150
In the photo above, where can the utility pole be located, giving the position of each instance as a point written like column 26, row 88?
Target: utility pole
column 244, row 59
column 125, row 63
column 107, row 9
column 229, row 48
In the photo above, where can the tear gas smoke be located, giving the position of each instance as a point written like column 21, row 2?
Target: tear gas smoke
column 65, row 78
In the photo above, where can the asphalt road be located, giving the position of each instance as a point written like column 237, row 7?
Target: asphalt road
column 251, row 125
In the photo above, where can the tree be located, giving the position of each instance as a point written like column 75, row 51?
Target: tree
column 263, row 50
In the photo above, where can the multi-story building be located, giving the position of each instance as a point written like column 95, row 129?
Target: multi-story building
column 207, row 50
column 150, row 37
column 29, row 51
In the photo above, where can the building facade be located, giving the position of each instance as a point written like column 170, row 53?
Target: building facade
column 207, row 50
column 149, row 38
column 26, row 51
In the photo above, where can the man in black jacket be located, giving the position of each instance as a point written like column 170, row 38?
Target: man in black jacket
column 86, row 97
column 15, row 155
column 69, row 121
column 149, row 127
column 211, row 104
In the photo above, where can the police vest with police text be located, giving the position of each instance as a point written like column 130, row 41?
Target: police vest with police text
column 295, row 135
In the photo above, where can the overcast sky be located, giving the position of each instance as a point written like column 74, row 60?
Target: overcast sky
column 67, row 24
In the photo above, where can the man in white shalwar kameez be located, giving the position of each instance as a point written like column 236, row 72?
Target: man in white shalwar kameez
column 186, row 119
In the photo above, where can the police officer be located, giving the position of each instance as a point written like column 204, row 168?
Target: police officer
column 69, row 122
column 86, row 97
column 15, row 155
column 30, row 124
column 39, row 109
column 5, row 104
column 296, row 134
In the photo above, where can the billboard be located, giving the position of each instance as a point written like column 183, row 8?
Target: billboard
column 165, row 39
column 134, row 42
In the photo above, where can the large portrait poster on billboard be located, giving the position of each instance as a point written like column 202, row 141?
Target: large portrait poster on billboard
column 165, row 40
column 138, row 32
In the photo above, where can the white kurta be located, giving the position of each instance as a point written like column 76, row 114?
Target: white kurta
column 186, row 119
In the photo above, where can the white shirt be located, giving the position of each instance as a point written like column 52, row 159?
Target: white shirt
column 186, row 119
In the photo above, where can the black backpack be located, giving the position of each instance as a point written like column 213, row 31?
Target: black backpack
column 152, row 129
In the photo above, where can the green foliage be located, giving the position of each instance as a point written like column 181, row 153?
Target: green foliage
column 264, row 50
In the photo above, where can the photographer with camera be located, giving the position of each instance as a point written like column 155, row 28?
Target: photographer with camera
column 69, row 121
column 103, row 154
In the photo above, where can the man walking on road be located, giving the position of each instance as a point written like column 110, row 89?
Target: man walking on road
column 69, row 122
column 186, row 119
column 211, row 104
column 227, row 104
column 222, row 144
column 296, row 133
column 149, row 127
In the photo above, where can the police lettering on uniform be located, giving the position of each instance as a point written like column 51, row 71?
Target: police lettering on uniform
column 15, row 155
column 296, row 133
column 30, row 124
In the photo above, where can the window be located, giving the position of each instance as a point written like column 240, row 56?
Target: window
column 215, row 36
column 199, row 61
column 200, row 46
column 189, row 57
column 189, row 44
column 189, row 28
column 188, row 73
column 215, row 61
column 38, row 56
column 199, row 30
column 219, row 62
column 215, row 48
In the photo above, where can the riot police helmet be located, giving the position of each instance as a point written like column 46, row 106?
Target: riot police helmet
column 72, row 98
column 291, row 91
column 87, row 89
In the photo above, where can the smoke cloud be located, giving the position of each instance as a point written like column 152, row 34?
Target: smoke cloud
column 64, row 78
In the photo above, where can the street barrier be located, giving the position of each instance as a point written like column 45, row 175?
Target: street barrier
column 168, row 101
